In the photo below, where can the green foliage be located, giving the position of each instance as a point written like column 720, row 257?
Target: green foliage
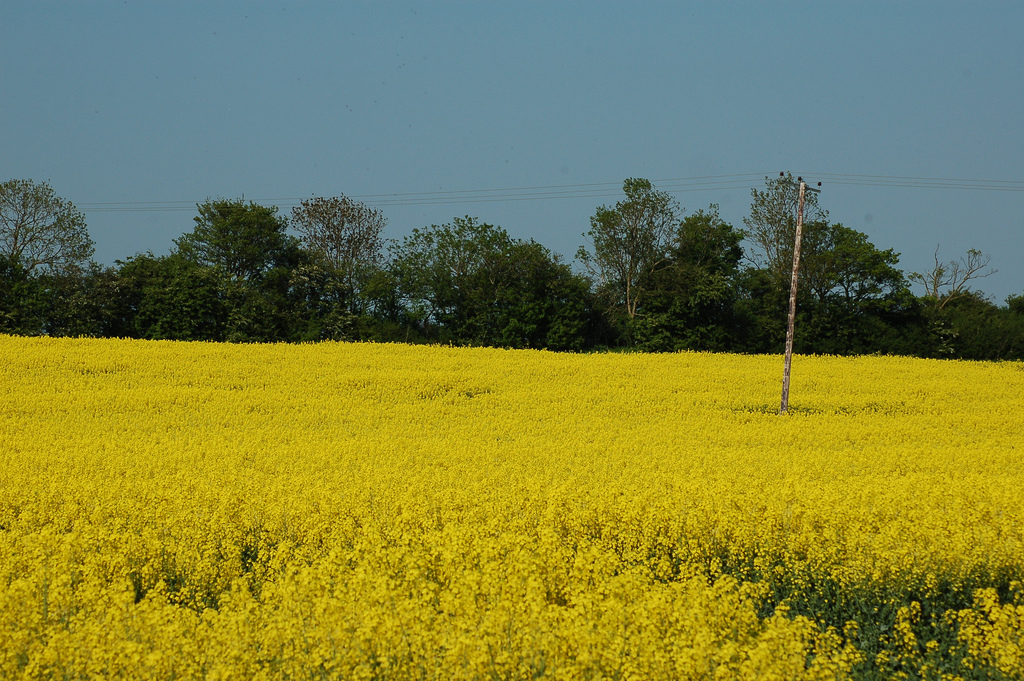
column 469, row 282
column 855, row 298
column 761, row 309
column 629, row 243
column 771, row 225
column 244, row 242
column 971, row 326
column 851, row 296
column 1015, row 304
column 171, row 297
column 175, row 298
column 657, row 282
column 691, row 298
column 317, row 301
column 246, row 272
column 22, row 306
column 86, row 302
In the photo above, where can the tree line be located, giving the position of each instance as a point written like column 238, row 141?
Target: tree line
column 650, row 278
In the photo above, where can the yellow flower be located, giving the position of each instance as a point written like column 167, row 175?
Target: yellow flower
column 189, row 510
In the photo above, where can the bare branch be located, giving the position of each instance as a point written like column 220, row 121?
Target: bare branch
column 949, row 281
column 346, row 233
column 39, row 229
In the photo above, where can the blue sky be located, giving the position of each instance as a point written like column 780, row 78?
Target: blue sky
column 136, row 111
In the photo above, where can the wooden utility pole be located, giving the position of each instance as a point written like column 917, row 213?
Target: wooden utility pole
column 792, row 295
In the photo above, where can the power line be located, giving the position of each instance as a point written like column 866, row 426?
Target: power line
column 928, row 179
column 593, row 190
column 441, row 197
column 922, row 182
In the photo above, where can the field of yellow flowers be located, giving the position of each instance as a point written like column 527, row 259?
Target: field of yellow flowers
column 360, row 511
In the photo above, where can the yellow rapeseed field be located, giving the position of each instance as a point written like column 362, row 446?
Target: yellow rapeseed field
column 360, row 511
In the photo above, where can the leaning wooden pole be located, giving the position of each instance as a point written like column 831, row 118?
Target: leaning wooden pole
column 792, row 301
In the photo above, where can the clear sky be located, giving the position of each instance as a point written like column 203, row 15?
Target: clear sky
column 136, row 111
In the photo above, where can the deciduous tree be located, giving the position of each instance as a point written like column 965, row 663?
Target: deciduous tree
column 41, row 231
column 628, row 242
column 347, row 234
column 470, row 282
column 245, row 249
column 854, row 298
column 771, row 225
column 949, row 281
column 243, row 241
column 691, row 299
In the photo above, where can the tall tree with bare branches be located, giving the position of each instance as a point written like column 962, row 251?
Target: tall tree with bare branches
column 41, row 231
column 347, row 234
column 949, row 281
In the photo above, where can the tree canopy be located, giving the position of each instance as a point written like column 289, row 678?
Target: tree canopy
column 480, row 286
column 629, row 241
column 40, row 230
column 771, row 225
column 347, row 236
column 242, row 240
column 652, row 278
column 691, row 299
